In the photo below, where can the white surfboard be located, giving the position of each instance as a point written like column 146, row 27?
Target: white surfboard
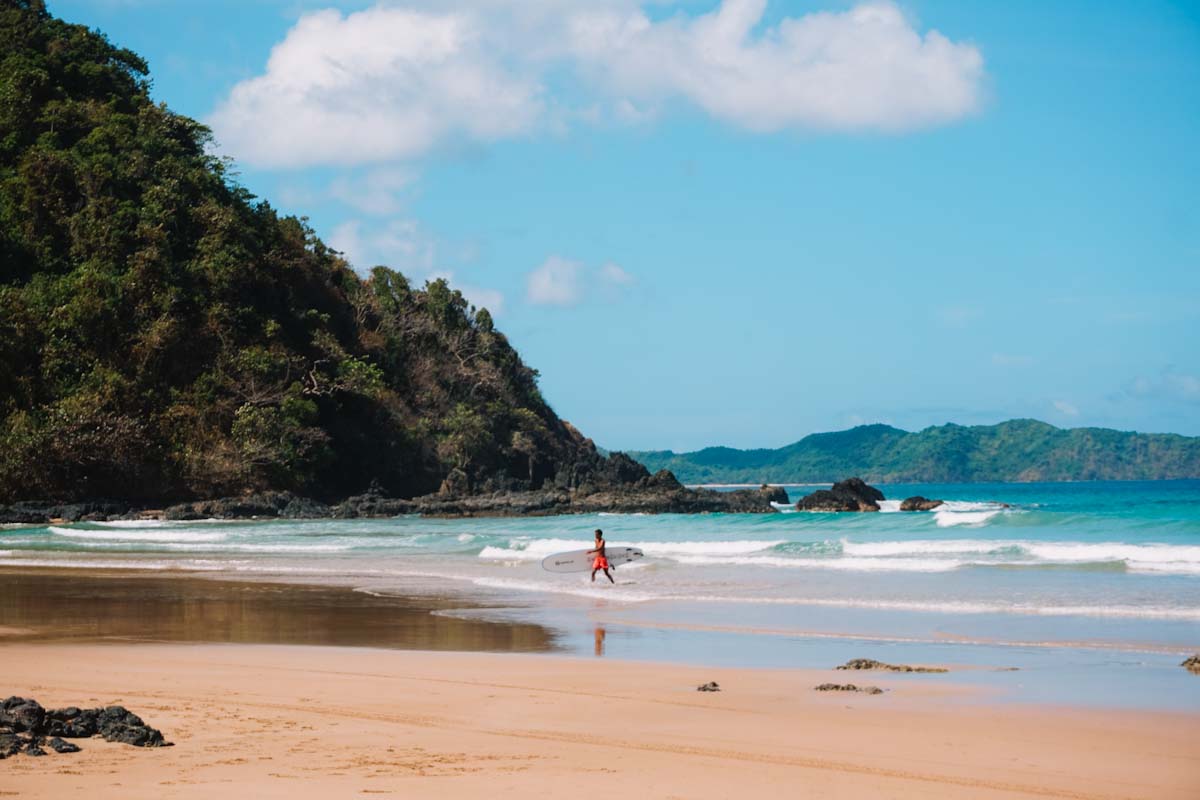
column 581, row 560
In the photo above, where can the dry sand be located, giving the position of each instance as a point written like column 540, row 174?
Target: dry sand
column 322, row 722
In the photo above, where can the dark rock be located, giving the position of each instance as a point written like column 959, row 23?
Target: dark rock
column 59, row 746
column 20, row 714
column 260, row 504
column 372, row 504
column 711, row 686
column 919, row 503
column 872, row 664
column 10, row 744
column 15, row 515
column 847, row 687
column 34, row 748
column 136, row 735
column 114, row 723
column 1192, row 664
column 852, row 494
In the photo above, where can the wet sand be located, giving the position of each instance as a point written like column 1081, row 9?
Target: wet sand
column 231, row 672
column 301, row 722
column 63, row 605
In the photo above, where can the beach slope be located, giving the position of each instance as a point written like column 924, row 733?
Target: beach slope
column 297, row 722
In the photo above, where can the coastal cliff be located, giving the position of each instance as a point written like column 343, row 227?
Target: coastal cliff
column 166, row 337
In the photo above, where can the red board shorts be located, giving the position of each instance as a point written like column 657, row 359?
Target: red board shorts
column 600, row 563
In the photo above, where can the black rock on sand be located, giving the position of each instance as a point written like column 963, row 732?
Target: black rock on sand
column 24, row 726
column 872, row 664
column 847, row 687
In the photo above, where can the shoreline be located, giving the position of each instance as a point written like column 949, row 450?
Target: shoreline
column 308, row 722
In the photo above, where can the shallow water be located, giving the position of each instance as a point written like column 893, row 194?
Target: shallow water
column 1100, row 579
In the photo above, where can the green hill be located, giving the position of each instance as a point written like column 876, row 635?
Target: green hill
column 1018, row 450
column 164, row 334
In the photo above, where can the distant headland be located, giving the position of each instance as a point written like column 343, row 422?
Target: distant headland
column 1017, row 450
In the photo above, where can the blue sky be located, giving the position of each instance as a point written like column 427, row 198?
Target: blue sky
column 973, row 211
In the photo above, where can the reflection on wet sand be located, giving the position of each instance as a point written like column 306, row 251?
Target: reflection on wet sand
column 59, row 605
column 600, row 634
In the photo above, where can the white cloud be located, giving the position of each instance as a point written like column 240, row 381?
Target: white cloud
column 1065, row 408
column 563, row 282
column 862, row 69
column 376, row 193
column 401, row 244
column 377, row 85
column 557, row 282
column 613, row 274
column 391, row 83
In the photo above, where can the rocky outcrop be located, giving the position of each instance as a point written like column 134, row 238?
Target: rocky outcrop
column 1192, row 664
column 847, row 687
column 41, row 512
column 652, row 496
column 919, row 503
column 615, row 484
column 24, row 726
column 852, row 494
column 711, row 686
column 872, row 664
column 261, row 504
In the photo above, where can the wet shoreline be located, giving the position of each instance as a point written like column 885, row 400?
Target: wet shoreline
column 55, row 605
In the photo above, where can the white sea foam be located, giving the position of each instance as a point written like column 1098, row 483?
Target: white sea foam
column 947, row 518
column 784, row 508
column 923, row 547
column 646, row 594
column 850, row 564
column 138, row 535
column 964, row 607
column 536, row 549
column 619, row 594
column 161, row 523
column 1113, row 551
column 889, row 506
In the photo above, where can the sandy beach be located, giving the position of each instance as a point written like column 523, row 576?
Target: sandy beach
column 300, row 721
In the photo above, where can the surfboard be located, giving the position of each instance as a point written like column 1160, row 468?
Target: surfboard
column 581, row 560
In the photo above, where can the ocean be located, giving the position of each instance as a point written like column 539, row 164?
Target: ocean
column 1089, row 585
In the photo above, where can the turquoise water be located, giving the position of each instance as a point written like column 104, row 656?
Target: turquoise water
column 1077, row 579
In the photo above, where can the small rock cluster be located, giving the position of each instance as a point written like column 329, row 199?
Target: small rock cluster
column 854, row 494
column 872, row 664
column 1192, row 664
column 847, row 687
column 25, row 727
column 711, row 686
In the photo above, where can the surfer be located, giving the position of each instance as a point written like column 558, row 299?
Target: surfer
column 601, row 562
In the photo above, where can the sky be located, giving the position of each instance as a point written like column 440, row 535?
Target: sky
column 742, row 222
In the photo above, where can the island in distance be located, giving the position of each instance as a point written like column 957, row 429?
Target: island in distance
column 1017, row 450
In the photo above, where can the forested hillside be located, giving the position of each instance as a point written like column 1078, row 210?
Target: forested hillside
column 164, row 334
column 1017, row 450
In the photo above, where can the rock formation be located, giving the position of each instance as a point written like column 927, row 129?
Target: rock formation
column 919, row 503
column 24, row 726
column 847, row 687
column 872, row 664
column 852, row 494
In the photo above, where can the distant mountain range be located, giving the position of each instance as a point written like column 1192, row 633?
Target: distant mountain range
column 1017, row 450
